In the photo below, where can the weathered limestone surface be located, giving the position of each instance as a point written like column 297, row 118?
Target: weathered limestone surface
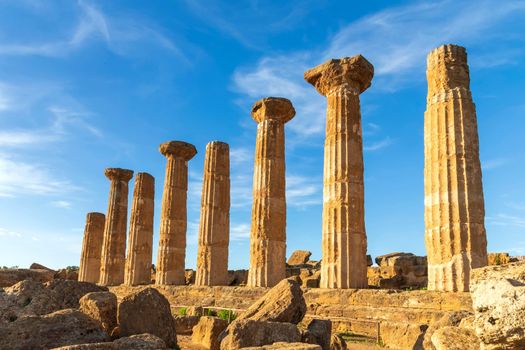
column 207, row 331
column 498, row 299
column 454, row 206
column 101, row 306
column 268, row 231
column 60, row 328
column 138, row 262
column 92, row 248
column 344, row 238
column 113, row 257
column 214, row 230
column 173, row 221
column 250, row 333
column 147, row 311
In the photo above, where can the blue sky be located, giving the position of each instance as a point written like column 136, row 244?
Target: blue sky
column 86, row 85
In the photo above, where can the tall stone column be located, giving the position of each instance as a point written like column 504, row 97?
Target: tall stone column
column 454, row 207
column 89, row 270
column 344, row 263
column 172, row 243
column 138, row 261
column 268, row 231
column 113, row 258
column 214, row 230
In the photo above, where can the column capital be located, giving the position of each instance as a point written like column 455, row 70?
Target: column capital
column 355, row 72
column 178, row 149
column 275, row 108
column 118, row 174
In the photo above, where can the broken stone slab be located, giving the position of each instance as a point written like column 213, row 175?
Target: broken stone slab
column 147, row 311
column 135, row 342
column 184, row 324
column 498, row 299
column 288, row 346
column 60, row 328
column 101, row 306
column 31, row 298
column 282, row 303
column 207, row 332
column 10, row 277
column 299, row 257
column 337, row 343
column 37, row 266
column 320, row 332
column 249, row 333
column 454, row 338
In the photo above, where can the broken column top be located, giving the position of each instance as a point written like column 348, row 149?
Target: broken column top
column 218, row 145
column 276, row 108
column 118, row 174
column 95, row 216
column 354, row 71
column 178, row 149
column 447, row 69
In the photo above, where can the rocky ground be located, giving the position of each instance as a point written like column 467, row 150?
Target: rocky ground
column 46, row 311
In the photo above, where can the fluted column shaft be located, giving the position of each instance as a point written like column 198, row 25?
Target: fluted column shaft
column 114, row 246
column 214, row 229
column 173, row 222
column 268, row 229
column 89, row 270
column 138, row 260
column 454, row 205
column 344, row 243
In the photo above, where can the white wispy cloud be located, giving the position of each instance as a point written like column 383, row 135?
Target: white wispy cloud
column 8, row 233
column 120, row 35
column 240, row 232
column 235, row 19
column 490, row 164
column 52, row 106
column 303, row 191
column 62, row 204
column 502, row 219
column 396, row 40
column 21, row 178
column 376, row 146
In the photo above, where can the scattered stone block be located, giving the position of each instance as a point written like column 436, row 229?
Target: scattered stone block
column 455, row 338
column 282, row 303
column 207, row 331
column 288, row 346
column 101, row 306
column 60, row 328
column 184, row 324
column 246, row 333
column 299, row 257
column 147, row 311
column 134, row 342
column 498, row 299
column 320, row 332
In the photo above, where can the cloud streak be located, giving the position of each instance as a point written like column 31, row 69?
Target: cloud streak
column 119, row 34
column 395, row 40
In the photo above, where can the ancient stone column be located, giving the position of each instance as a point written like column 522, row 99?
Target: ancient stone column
column 89, row 270
column 454, row 207
column 172, row 243
column 113, row 257
column 214, row 230
column 138, row 260
column 344, row 263
column 268, row 231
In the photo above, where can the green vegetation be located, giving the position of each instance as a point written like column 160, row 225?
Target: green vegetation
column 227, row 315
column 183, row 311
column 357, row 338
